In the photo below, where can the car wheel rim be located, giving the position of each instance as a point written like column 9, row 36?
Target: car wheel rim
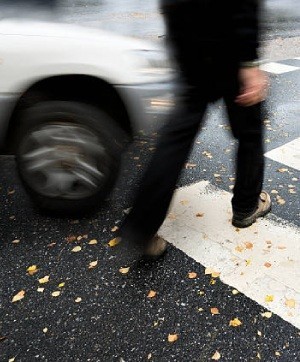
column 64, row 161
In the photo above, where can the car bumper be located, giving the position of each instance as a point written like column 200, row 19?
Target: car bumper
column 148, row 105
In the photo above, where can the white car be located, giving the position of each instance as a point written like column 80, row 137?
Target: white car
column 69, row 96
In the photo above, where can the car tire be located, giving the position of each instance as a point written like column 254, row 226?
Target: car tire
column 68, row 156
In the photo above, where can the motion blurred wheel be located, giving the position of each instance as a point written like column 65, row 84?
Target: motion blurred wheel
column 68, row 156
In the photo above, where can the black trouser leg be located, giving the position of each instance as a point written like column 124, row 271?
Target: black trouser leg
column 159, row 181
column 247, row 127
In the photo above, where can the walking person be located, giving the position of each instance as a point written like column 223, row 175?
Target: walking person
column 215, row 44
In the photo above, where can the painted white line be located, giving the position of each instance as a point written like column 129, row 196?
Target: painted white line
column 262, row 260
column 277, row 68
column 288, row 154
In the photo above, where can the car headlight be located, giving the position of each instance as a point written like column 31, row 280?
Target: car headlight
column 153, row 62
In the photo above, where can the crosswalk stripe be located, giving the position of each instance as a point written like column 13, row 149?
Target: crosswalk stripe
column 277, row 68
column 261, row 261
column 288, row 154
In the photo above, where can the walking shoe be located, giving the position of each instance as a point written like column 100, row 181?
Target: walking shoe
column 242, row 220
column 155, row 248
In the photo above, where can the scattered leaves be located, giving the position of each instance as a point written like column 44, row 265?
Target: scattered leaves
column 56, row 293
column 18, row 296
column 124, row 270
column 214, row 311
column 267, row 314
column 93, row 264
column 32, row 269
column 151, row 294
column 235, row 322
column 44, row 280
column 280, row 200
column 76, row 249
column 70, row 238
column 114, row 242
column 192, row 275
column 172, row 338
column 216, row 356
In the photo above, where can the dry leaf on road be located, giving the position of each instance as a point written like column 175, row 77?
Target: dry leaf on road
column 124, row 270
column 235, row 322
column 114, row 242
column 44, row 280
column 192, row 275
column 216, row 356
column 76, row 249
column 151, row 294
column 18, row 296
column 32, row 269
column 93, row 264
column 172, row 338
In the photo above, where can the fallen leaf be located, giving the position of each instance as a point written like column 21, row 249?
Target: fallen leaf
column 267, row 314
column 12, row 359
column 239, row 248
column 248, row 245
column 45, row 330
column 18, row 296
column 214, row 311
column 93, row 242
column 56, row 293
column 78, row 300
column 40, row 290
column 44, row 280
column 200, row 309
column 190, row 165
column 172, row 338
column 192, row 275
column 76, row 249
column 235, row 322
column 290, row 303
column 277, row 353
column 16, row 241
column 235, row 292
column 216, row 356
column 274, row 192
column 259, row 333
column 281, row 170
column 269, row 298
column 93, row 264
column 79, row 238
column 61, row 285
column 248, row 262
column 200, row 214
column 268, row 265
column 70, row 238
column 124, row 270
column 114, row 242
column 212, row 282
column 32, row 269
column 151, row 294
column 115, row 228
column 212, row 272
column 280, row 200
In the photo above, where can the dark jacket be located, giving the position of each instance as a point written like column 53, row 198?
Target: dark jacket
column 220, row 28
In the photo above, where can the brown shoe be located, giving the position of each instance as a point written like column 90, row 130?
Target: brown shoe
column 155, row 248
column 241, row 220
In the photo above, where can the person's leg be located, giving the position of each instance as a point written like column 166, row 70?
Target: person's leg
column 159, row 181
column 247, row 127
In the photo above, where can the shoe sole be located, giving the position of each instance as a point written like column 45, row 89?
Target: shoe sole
column 250, row 220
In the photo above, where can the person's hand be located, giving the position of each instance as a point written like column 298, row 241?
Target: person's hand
column 253, row 86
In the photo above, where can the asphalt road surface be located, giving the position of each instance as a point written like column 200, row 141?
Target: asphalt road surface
column 218, row 294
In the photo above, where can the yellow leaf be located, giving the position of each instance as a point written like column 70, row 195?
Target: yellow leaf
column 78, row 300
column 192, row 275
column 282, row 170
column 172, row 338
column 12, row 359
column 216, row 356
column 124, row 270
column 215, row 274
column 93, row 264
column 269, row 298
column 56, row 293
column 76, row 249
column 212, row 272
column 93, row 242
column 151, row 294
column 44, row 280
column 32, row 269
column 248, row 262
column 235, row 292
column 235, row 322
column 114, row 242
column 290, row 303
column 214, row 311
column 267, row 314
column 212, row 282
column 40, row 290
column 115, row 228
column 18, row 296
column 45, row 330
column 61, row 285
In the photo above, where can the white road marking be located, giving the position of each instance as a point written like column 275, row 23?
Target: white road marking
column 262, row 260
column 277, row 68
column 288, row 154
